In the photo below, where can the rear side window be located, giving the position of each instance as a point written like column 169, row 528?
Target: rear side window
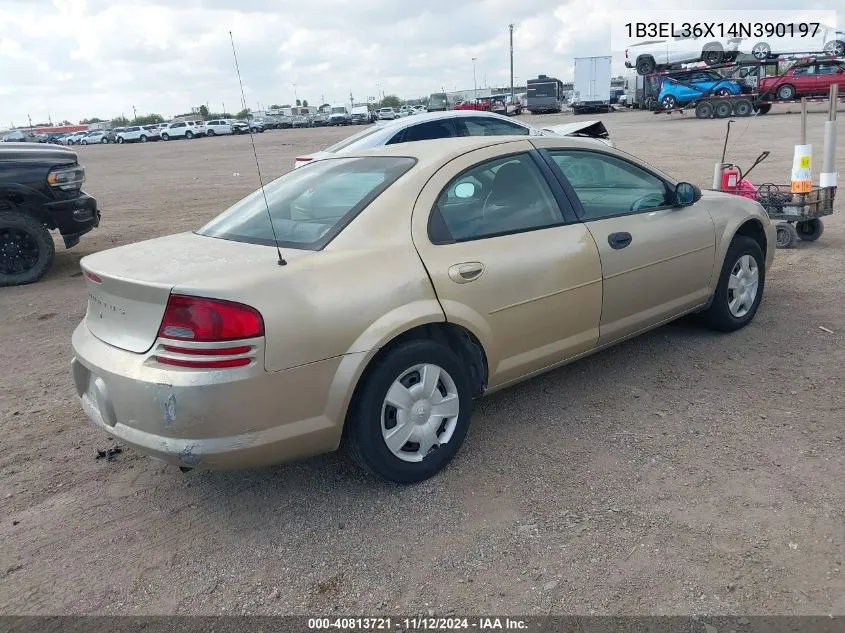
column 488, row 126
column 310, row 205
column 424, row 132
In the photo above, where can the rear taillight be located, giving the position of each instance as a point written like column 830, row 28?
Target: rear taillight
column 95, row 278
column 198, row 319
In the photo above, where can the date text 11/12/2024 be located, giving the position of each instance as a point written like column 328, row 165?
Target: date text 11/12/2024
column 417, row 624
column 722, row 30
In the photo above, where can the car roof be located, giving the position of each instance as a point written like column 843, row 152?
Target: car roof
column 446, row 149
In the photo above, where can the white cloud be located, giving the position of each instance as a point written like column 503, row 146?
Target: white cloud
column 80, row 58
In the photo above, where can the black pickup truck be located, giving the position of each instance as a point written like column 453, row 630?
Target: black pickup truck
column 40, row 190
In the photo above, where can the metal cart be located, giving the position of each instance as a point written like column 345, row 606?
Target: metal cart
column 797, row 216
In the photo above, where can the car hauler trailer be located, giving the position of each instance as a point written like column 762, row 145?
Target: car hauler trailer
column 755, row 97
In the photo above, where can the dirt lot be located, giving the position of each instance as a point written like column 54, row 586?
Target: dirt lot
column 683, row 472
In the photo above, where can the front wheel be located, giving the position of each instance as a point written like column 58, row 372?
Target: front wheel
column 646, row 65
column 411, row 412
column 165, row 137
column 740, row 288
column 84, row 142
column 104, row 141
column 669, row 102
column 712, row 56
column 143, row 138
column 189, row 134
column 210, row 133
column 786, row 93
column 835, row 48
column 120, row 140
column 761, row 51
column 26, row 248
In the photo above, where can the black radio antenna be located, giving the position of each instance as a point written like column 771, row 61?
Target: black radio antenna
column 281, row 261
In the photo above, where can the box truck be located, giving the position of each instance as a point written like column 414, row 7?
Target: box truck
column 591, row 90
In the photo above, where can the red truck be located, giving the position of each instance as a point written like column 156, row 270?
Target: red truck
column 472, row 105
column 806, row 78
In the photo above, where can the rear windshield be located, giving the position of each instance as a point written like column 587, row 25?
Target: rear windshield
column 352, row 139
column 309, row 205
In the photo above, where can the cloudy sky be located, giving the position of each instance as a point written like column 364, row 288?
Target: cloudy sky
column 74, row 59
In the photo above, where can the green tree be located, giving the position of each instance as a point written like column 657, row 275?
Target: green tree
column 203, row 111
column 305, row 103
column 93, row 119
column 287, row 105
column 243, row 114
column 298, row 103
column 276, row 106
column 120, row 121
column 390, row 101
column 148, row 119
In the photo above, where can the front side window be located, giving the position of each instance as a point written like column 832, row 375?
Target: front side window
column 310, row 205
column 608, row 186
column 500, row 196
column 488, row 126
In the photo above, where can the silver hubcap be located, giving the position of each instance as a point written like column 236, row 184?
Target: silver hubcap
column 742, row 286
column 420, row 412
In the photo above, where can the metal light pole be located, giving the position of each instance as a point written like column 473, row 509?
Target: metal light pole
column 134, row 113
column 510, row 26
column 294, row 94
column 474, row 84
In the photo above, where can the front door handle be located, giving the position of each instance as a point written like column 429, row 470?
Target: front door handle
column 619, row 240
column 466, row 272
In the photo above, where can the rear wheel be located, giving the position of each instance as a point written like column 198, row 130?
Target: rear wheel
column 713, row 56
column 143, row 138
column 165, row 137
column 722, row 109
column 835, row 48
column 210, row 132
column 669, row 102
column 84, row 142
column 809, row 230
column 740, row 287
column 743, row 107
column 722, row 92
column 120, row 140
column 26, row 248
column 104, row 140
column 764, row 108
column 704, row 110
column 646, row 65
column 786, row 93
column 411, row 412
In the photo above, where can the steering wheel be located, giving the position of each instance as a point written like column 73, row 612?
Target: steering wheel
column 648, row 201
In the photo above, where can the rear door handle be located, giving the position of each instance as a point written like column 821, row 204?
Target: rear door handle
column 466, row 272
column 619, row 240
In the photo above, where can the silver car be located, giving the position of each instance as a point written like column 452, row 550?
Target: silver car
column 450, row 124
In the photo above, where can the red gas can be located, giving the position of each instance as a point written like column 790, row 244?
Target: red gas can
column 730, row 178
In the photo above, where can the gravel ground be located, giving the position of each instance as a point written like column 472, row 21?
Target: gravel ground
column 681, row 472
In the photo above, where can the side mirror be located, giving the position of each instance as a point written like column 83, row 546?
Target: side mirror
column 686, row 194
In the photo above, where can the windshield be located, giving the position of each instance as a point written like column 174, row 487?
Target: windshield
column 310, row 205
column 338, row 110
column 542, row 90
column 437, row 100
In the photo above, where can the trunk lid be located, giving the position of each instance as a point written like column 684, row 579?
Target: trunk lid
column 128, row 286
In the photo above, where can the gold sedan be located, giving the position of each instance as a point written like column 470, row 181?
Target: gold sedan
column 369, row 299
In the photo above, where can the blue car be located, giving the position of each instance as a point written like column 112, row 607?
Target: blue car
column 683, row 88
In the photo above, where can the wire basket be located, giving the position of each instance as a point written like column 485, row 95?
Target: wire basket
column 781, row 204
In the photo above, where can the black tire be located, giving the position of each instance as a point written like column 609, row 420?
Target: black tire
column 165, row 137
column 722, row 92
column 104, row 140
column 761, row 51
column 704, row 110
column 669, row 102
column 723, row 109
column 743, row 107
column 712, row 56
column 764, row 108
column 646, row 65
column 785, row 92
column 809, row 230
column 835, row 48
column 718, row 316
column 34, row 245
column 84, row 142
column 363, row 434
column 210, row 133
column 120, row 140
column 189, row 135
column 786, row 234
column 143, row 138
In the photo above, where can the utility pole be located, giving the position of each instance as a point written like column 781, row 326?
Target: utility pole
column 224, row 107
column 134, row 114
column 510, row 26
column 30, row 122
column 474, row 83
column 294, row 94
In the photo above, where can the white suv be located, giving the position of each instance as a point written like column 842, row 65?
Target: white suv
column 219, row 126
column 653, row 55
column 183, row 129
column 134, row 133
